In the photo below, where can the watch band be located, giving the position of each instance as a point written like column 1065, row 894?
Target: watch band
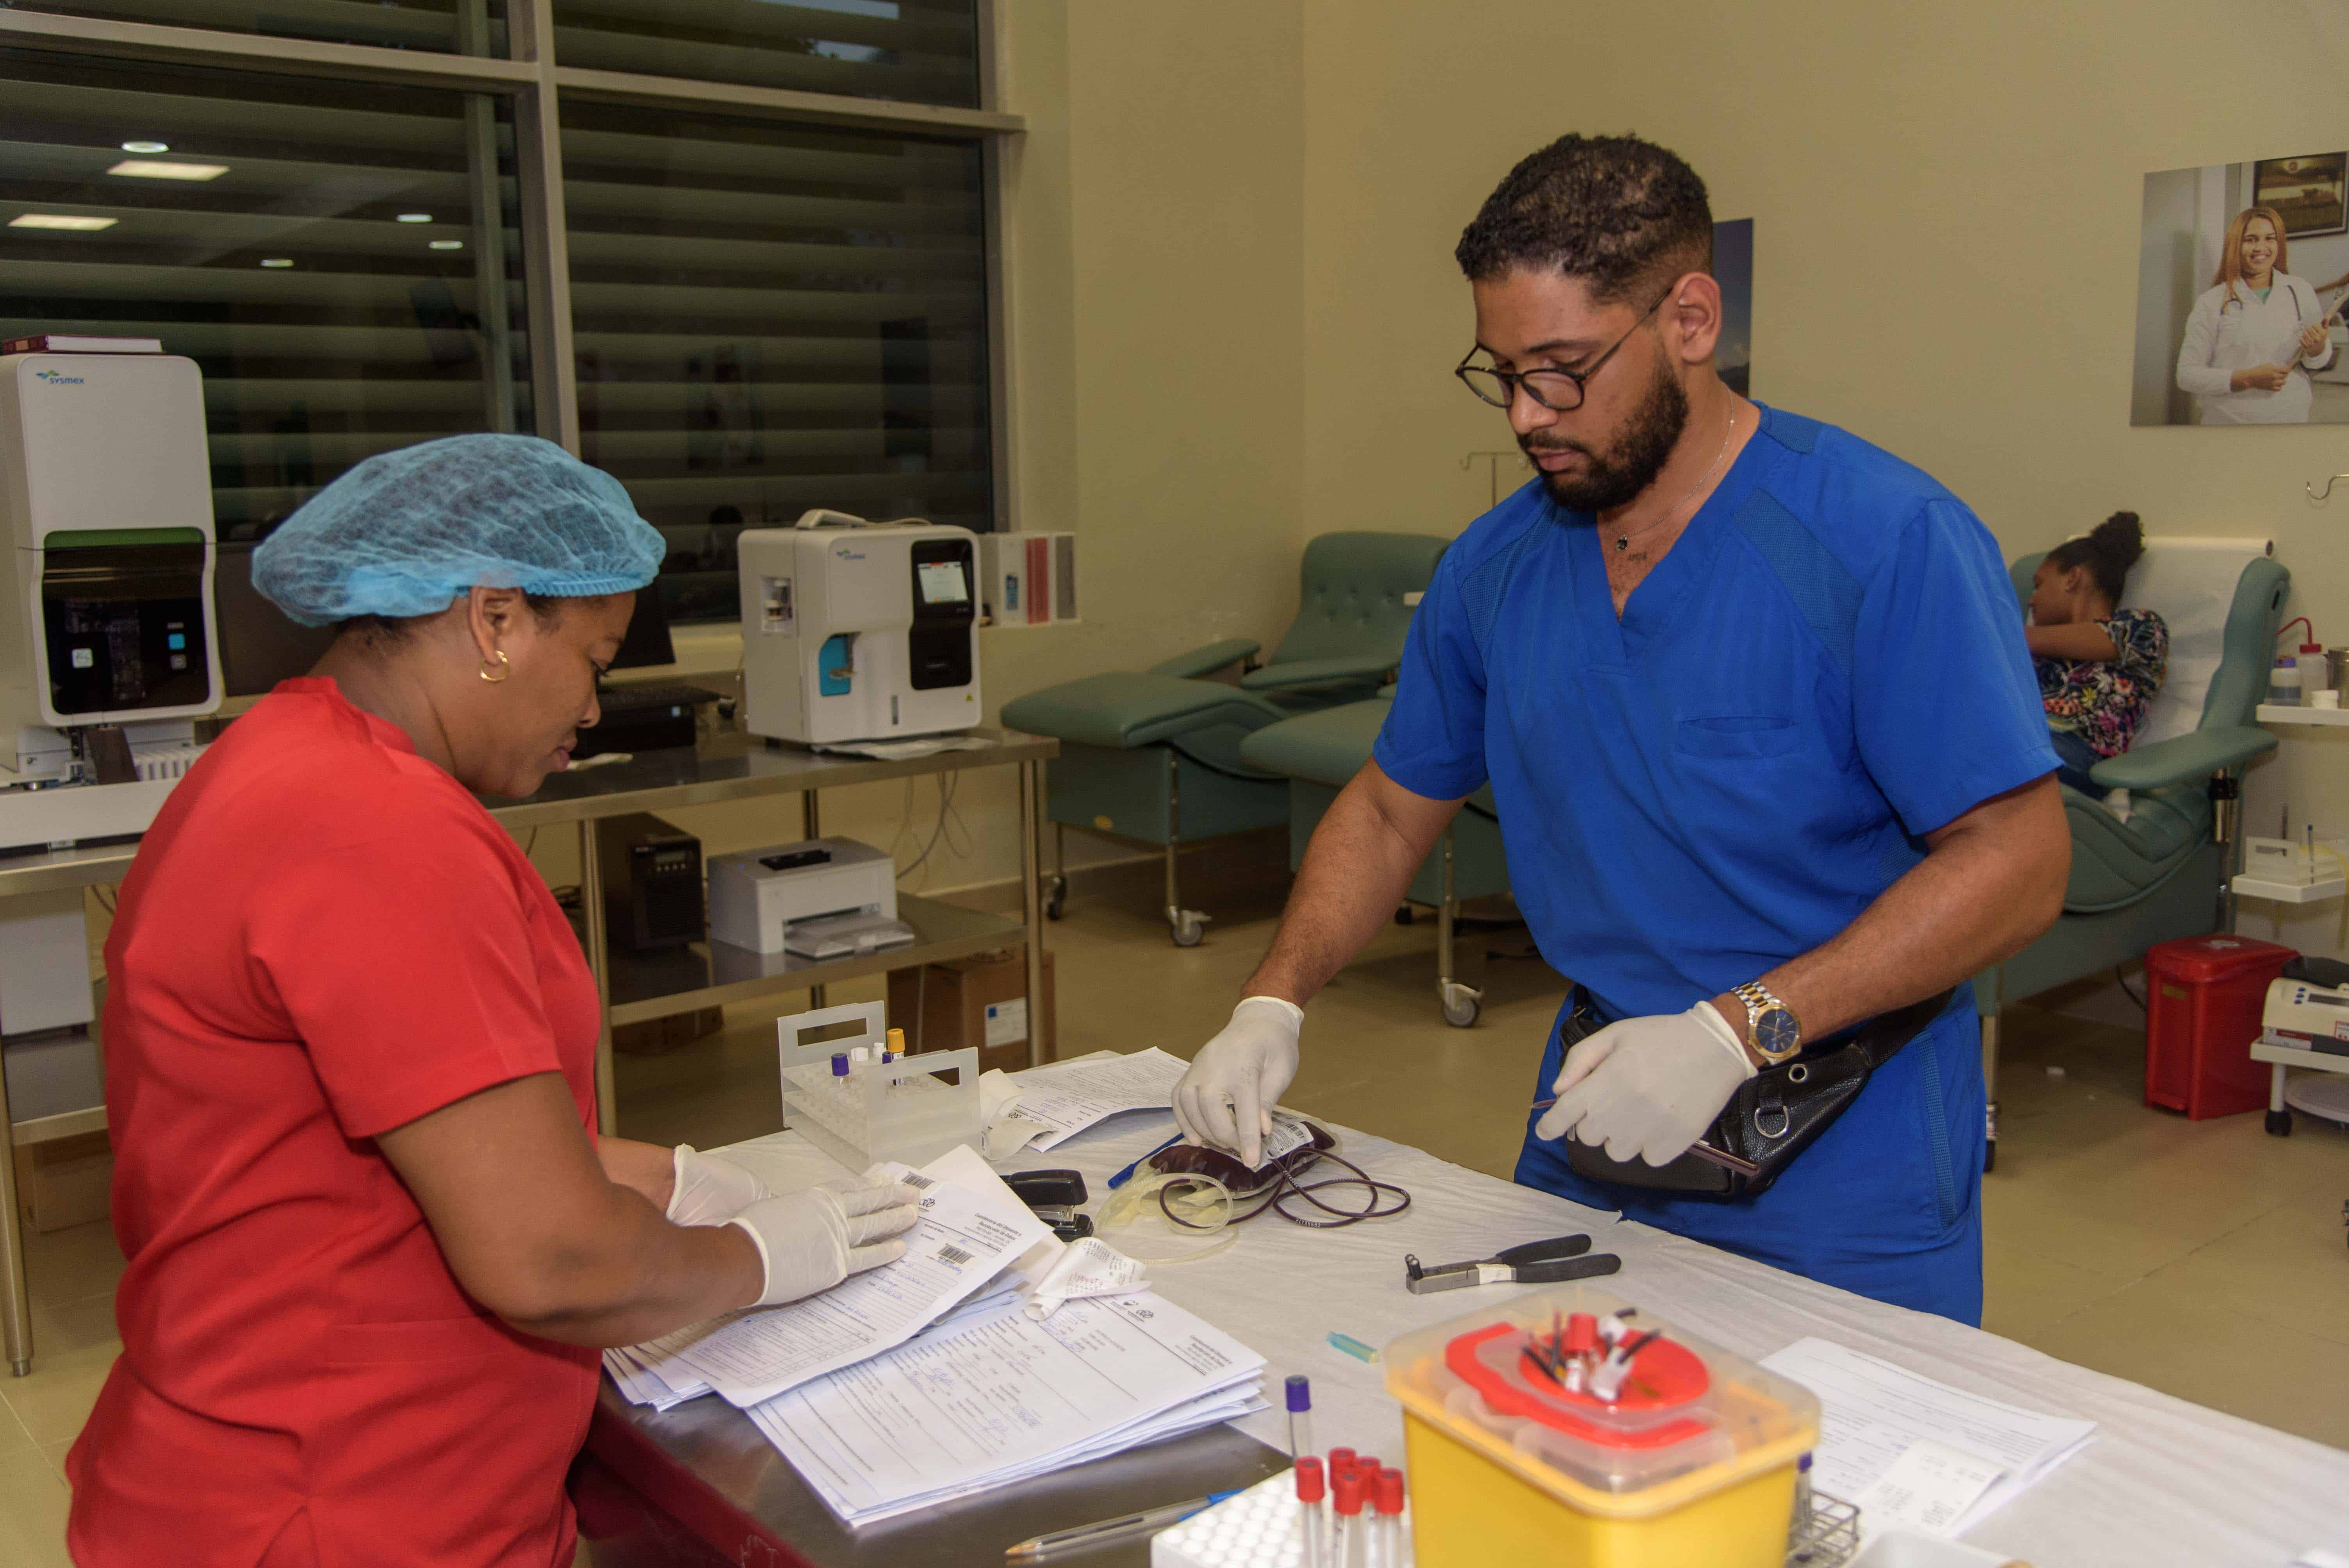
column 1771, row 1027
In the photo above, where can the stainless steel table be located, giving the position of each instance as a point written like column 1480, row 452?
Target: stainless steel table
column 727, row 766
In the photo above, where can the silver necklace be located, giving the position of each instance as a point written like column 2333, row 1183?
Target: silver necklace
column 1623, row 541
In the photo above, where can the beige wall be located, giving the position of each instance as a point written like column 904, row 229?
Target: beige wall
column 1946, row 201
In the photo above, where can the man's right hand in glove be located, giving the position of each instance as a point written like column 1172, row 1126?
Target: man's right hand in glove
column 1227, row 1098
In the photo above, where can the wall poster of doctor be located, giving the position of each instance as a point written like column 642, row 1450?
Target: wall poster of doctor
column 2242, row 274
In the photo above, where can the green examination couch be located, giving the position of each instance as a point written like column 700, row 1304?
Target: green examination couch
column 1317, row 753
column 1155, row 757
column 2162, row 872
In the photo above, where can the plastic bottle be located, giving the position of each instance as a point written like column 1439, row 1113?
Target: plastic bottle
column 2314, row 674
column 2284, row 683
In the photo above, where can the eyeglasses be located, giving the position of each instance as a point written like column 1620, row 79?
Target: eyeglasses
column 1559, row 391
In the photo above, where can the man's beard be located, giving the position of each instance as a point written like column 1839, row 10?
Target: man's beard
column 1639, row 454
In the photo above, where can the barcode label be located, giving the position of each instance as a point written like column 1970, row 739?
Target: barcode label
column 954, row 1255
column 915, row 1179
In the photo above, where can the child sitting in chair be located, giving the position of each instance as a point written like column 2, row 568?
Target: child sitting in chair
column 2098, row 665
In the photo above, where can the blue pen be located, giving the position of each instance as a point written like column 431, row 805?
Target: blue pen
column 1109, row 1531
column 1123, row 1177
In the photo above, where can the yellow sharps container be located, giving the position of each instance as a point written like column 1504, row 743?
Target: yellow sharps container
column 1568, row 1427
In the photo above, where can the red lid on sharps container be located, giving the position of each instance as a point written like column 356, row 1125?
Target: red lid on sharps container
column 1308, row 1480
column 1348, row 1493
column 1390, row 1491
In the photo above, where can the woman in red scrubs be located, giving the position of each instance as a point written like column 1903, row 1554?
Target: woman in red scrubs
column 373, row 1240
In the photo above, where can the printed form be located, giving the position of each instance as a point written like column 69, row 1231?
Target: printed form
column 1069, row 1097
column 1001, row 1395
column 964, row 1239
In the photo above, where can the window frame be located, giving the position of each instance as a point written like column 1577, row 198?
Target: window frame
column 537, row 82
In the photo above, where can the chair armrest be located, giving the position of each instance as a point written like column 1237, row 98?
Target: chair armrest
column 1317, row 672
column 1207, row 661
column 2196, row 755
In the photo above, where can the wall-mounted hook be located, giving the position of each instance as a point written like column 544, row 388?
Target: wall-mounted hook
column 2314, row 493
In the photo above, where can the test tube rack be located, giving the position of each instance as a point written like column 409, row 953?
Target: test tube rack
column 912, row 1109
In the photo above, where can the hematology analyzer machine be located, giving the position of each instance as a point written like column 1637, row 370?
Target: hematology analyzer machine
column 108, row 648
column 858, row 631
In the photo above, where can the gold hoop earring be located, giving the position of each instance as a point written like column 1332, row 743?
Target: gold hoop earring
column 505, row 666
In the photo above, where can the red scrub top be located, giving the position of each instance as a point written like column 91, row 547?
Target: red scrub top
column 323, row 938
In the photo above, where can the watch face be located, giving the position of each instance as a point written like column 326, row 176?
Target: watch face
column 1775, row 1032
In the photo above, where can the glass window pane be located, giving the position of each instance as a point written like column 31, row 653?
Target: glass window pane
column 771, row 318
column 915, row 51
column 339, row 259
column 442, row 26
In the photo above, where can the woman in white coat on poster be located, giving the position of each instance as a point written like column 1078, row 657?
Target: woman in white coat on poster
column 2255, row 334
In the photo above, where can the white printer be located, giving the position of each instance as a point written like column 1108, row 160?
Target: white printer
column 824, row 898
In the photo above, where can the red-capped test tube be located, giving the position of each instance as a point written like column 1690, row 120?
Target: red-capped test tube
column 1311, row 1490
column 1386, row 1530
column 1348, row 1528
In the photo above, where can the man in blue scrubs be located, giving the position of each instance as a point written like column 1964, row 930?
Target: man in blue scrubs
column 1754, row 701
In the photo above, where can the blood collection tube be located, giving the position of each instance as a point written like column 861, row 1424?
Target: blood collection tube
column 895, row 1050
column 1301, row 1417
column 1386, row 1531
column 1310, row 1492
column 1340, row 1460
column 1347, row 1527
column 840, row 1064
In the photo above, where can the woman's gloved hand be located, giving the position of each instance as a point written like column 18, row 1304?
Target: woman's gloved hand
column 1227, row 1098
column 708, row 1189
column 812, row 1240
column 1648, row 1087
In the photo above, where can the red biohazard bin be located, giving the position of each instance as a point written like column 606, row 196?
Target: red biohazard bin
column 2203, row 1001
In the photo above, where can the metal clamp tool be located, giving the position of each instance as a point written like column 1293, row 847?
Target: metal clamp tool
column 1534, row 1262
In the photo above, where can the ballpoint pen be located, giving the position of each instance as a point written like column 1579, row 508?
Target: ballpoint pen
column 1108, row 1532
column 1123, row 1177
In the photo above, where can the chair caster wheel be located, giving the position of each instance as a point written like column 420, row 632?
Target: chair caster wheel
column 1186, row 926
column 1056, row 897
column 2279, row 1124
column 1406, row 915
column 1461, row 1003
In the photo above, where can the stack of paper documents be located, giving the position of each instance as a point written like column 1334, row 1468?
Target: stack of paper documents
column 1916, row 1454
column 973, row 1229
column 1065, row 1099
column 925, row 1379
column 996, row 1397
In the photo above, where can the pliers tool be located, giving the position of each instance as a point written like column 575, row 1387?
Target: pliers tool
column 1532, row 1262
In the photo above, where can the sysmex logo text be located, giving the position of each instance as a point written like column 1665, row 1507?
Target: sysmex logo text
column 58, row 378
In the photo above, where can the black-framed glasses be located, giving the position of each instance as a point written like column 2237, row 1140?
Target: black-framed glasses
column 1560, row 391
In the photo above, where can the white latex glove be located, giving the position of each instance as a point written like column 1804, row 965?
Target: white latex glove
column 1648, row 1087
column 1227, row 1098
column 710, row 1189
column 812, row 1240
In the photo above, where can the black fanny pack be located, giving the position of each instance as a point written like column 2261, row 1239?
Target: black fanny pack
column 1774, row 1116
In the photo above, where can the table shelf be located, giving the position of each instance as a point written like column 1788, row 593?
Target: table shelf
column 712, row 974
column 2286, row 713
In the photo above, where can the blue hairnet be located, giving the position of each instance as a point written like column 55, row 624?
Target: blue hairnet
column 405, row 533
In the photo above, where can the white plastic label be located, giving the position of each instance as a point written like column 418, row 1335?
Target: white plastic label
column 1286, row 1137
column 1007, row 1022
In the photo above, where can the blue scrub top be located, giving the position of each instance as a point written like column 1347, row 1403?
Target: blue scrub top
column 1827, row 665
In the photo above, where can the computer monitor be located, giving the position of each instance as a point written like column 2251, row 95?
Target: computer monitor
column 259, row 646
column 648, row 642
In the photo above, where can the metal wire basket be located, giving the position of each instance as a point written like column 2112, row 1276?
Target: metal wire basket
column 1828, row 1539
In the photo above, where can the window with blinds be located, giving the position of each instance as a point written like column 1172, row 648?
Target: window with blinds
column 771, row 317
column 338, row 258
column 917, row 51
column 441, row 26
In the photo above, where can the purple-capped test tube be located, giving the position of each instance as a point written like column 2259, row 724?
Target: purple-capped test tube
column 1301, row 1417
column 840, row 1064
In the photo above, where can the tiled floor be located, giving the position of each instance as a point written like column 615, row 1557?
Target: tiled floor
column 2115, row 1233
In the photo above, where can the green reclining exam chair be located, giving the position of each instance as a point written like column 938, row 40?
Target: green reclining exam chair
column 1153, row 756
column 1318, row 752
column 2162, row 872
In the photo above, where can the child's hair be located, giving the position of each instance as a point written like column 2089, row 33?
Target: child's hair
column 2111, row 548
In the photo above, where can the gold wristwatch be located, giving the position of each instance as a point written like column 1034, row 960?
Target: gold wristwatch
column 1775, row 1033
